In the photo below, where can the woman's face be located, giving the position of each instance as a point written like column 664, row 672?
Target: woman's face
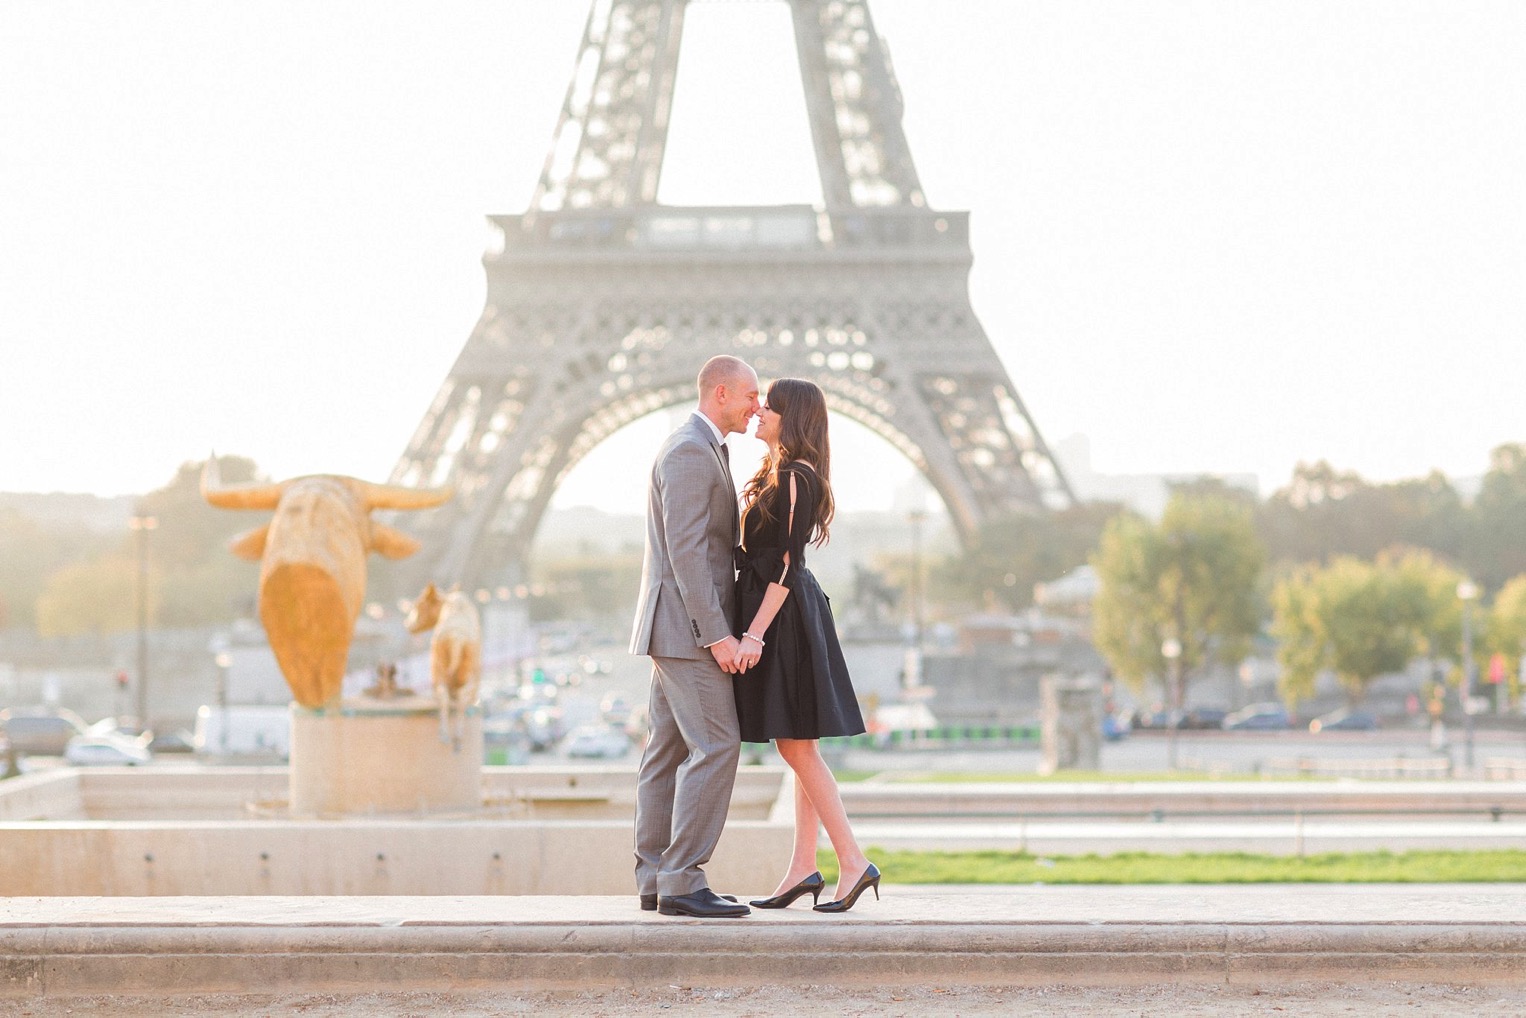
column 768, row 424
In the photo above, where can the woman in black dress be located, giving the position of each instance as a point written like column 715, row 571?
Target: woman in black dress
column 794, row 687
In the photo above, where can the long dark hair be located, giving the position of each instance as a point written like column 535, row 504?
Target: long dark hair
column 802, row 410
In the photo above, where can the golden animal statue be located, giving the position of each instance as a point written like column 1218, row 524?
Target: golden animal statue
column 455, row 652
column 312, row 557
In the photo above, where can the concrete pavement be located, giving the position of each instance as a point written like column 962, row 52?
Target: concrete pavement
column 1104, row 936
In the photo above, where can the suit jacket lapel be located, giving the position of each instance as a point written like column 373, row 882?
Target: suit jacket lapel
column 708, row 436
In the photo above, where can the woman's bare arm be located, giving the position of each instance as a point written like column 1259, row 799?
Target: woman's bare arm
column 774, row 596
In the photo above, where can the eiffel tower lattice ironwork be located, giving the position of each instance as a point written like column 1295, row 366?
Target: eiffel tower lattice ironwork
column 602, row 304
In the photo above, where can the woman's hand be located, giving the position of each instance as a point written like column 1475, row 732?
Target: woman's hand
column 749, row 653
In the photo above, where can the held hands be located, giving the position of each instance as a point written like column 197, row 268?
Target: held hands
column 726, row 653
column 736, row 656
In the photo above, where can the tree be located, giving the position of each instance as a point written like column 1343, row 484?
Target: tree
column 1192, row 578
column 93, row 597
column 1323, row 513
column 1009, row 555
column 1362, row 619
column 32, row 549
column 1495, row 550
column 1427, row 591
column 1505, row 630
column 67, row 580
column 191, row 532
column 198, row 580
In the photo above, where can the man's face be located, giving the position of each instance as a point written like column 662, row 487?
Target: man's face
column 741, row 403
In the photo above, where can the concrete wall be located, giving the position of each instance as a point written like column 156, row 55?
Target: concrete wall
column 196, row 832
column 50, row 795
column 368, row 857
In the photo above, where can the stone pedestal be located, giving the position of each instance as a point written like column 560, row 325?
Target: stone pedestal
column 1071, row 714
column 382, row 757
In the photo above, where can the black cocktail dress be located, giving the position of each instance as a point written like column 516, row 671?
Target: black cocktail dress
column 800, row 688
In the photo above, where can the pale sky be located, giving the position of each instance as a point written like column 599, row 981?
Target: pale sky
column 1217, row 237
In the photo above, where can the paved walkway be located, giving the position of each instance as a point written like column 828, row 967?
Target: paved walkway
column 1008, row 936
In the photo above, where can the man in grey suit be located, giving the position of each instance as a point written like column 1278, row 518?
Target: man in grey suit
column 684, row 623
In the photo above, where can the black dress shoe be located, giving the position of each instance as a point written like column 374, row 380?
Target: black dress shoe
column 702, row 904
column 649, row 901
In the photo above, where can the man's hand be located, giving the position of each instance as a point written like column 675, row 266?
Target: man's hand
column 725, row 654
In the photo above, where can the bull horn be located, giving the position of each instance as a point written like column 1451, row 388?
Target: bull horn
column 392, row 543
column 238, row 496
column 394, row 496
column 250, row 545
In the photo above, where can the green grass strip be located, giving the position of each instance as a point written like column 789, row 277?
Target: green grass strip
column 1417, row 867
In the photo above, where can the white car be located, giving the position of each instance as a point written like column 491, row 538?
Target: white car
column 598, row 741
column 105, row 750
column 614, row 709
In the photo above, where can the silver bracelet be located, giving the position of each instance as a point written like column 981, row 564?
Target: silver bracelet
column 756, row 639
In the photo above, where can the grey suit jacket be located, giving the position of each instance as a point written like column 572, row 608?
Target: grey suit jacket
column 688, row 578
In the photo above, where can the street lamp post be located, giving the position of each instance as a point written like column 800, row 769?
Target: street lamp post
column 916, row 517
column 1171, row 650
column 1467, row 592
column 224, row 662
column 142, row 526
column 914, row 653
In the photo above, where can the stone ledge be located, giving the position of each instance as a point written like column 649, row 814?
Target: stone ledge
column 1004, row 936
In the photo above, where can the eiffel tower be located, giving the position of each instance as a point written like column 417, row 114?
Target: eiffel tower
column 602, row 303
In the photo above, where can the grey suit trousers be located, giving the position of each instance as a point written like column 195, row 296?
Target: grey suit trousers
column 687, row 774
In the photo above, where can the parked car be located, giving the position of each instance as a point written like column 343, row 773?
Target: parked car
column 182, row 740
column 614, row 709
column 40, row 731
column 106, row 750
column 542, row 726
column 598, row 741
column 547, row 726
column 1196, row 718
column 1205, row 718
column 1345, row 720
column 1156, row 717
column 1259, row 717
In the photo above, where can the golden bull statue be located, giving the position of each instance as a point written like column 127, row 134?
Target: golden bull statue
column 312, row 557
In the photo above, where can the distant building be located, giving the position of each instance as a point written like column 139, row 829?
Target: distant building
column 1071, row 594
column 994, row 676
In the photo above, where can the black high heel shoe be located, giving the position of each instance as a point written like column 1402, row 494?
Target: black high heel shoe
column 810, row 885
column 871, row 878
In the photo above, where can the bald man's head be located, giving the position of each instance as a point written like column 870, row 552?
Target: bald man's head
column 728, row 393
column 722, row 369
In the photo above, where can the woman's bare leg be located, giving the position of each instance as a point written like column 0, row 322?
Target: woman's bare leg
column 814, row 778
column 807, row 826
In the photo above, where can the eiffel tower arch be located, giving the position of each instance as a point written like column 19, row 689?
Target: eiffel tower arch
column 602, row 303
